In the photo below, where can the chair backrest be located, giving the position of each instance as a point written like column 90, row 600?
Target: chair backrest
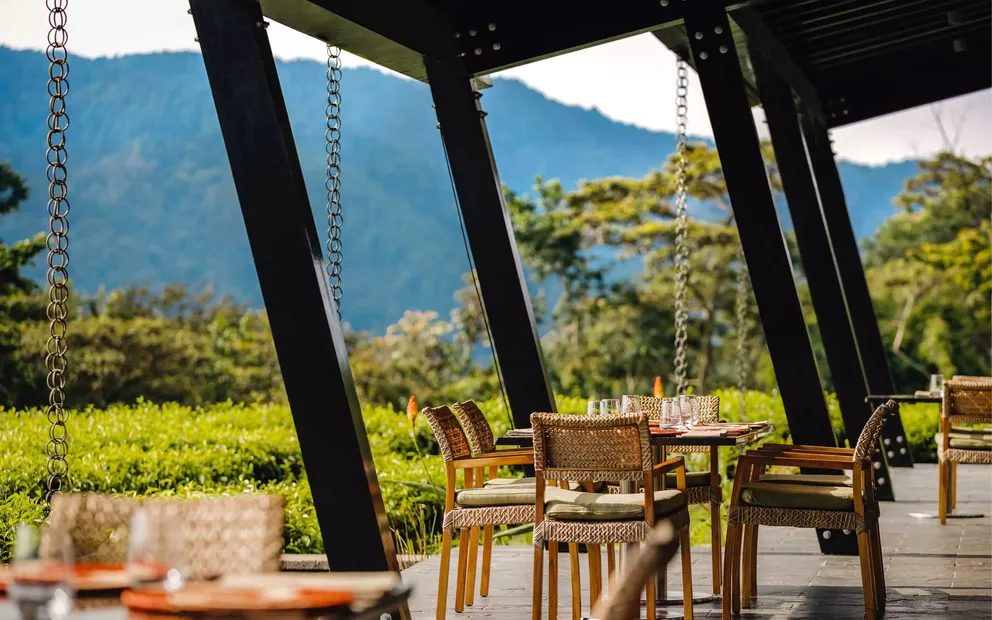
column 476, row 426
column 596, row 448
column 448, row 433
column 709, row 407
column 968, row 396
column 239, row 534
column 868, row 440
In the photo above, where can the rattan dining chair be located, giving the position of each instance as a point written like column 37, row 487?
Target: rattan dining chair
column 966, row 400
column 588, row 449
column 233, row 535
column 702, row 486
column 757, row 500
column 474, row 506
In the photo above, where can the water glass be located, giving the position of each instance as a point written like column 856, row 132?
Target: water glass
column 592, row 407
column 695, row 406
column 42, row 587
column 154, row 552
column 937, row 383
column 609, row 406
column 685, row 411
column 630, row 404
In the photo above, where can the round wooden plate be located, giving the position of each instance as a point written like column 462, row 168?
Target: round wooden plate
column 208, row 597
column 87, row 577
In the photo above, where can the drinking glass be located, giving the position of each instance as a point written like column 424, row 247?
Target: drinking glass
column 42, row 587
column 592, row 407
column 666, row 413
column 609, row 406
column 685, row 411
column 937, row 383
column 694, row 409
column 630, row 404
column 154, row 552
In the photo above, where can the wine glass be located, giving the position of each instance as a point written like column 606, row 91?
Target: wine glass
column 609, row 406
column 42, row 586
column 592, row 407
column 155, row 550
column 630, row 404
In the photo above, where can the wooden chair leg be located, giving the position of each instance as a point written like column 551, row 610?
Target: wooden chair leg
column 651, row 599
column 487, row 560
column 473, row 560
column 553, row 580
column 954, row 485
column 442, row 577
column 942, row 471
column 462, row 567
column 728, row 571
column 611, row 562
column 595, row 574
column 715, row 545
column 538, row 582
column 736, row 583
column 878, row 566
column 754, row 560
column 686, row 548
column 746, row 576
column 573, row 565
column 866, row 576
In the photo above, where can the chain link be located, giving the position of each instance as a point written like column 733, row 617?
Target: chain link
column 58, row 247
column 681, row 228
column 742, row 325
column 332, row 181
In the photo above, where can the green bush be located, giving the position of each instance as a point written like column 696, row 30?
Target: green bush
column 147, row 449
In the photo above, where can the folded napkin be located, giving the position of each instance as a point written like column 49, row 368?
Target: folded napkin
column 520, row 432
column 704, row 434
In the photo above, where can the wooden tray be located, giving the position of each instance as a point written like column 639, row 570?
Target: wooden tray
column 215, row 598
column 86, row 577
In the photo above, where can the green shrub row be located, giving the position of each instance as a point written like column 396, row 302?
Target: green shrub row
column 149, row 449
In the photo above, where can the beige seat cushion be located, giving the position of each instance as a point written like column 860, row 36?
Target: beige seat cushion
column 820, row 480
column 565, row 505
column 805, row 496
column 967, row 439
column 501, row 495
column 692, row 479
column 503, row 482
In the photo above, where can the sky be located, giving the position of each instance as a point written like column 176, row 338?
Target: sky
column 632, row 80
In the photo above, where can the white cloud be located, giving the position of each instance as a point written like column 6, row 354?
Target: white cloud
column 630, row 80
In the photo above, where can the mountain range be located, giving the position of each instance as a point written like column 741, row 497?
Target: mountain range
column 153, row 200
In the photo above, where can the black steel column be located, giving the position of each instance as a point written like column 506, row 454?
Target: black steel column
column 761, row 235
column 873, row 356
column 283, row 237
column 490, row 235
column 817, row 257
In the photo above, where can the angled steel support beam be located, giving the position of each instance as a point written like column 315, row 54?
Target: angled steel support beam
column 848, row 260
column 490, row 234
column 817, row 254
column 761, row 235
column 287, row 254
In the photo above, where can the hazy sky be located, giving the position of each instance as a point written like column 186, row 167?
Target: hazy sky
column 630, row 81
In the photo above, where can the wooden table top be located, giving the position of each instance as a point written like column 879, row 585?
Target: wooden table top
column 526, row 441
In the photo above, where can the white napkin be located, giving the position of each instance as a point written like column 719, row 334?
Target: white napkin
column 703, row 434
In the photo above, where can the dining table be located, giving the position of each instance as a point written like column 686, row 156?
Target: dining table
column 662, row 442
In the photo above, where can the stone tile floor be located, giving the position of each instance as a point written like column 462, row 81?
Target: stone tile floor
column 932, row 571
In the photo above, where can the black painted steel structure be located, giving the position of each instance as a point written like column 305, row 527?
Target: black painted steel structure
column 841, row 60
column 287, row 253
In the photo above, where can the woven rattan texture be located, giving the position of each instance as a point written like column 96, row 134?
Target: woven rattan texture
column 957, row 455
column 477, row 429
column 794, row 517
column 597, row 448
column 218, row 535
column 709, row 407
column 603, row 532
column 461, row 518
column 449, row 434
column 703, row 495
column 868, row 440
column 971, row 396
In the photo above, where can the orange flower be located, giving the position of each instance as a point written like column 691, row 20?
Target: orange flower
column 411, row 409
column 659, row 391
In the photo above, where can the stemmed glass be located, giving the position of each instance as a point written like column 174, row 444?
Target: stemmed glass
column 42, row 587
column 609, row 406
column 155, row 551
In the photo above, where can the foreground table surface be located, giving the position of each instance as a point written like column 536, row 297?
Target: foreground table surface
column 665, row 440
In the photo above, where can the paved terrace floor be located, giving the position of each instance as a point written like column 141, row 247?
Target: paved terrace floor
column 932, row 571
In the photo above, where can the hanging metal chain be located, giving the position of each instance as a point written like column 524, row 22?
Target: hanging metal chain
column 742, row 325
column 58, row 247
column 332, row 181
column 681, row 228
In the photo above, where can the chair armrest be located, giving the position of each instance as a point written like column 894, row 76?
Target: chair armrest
column 798, row 460
column 491, row 460
column 676, row 462
column 821, row 449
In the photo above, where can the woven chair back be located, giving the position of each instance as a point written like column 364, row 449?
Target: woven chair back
column 968, row 396
column 709, row 407
column 217, row 535
column 868, row 440
column 596, row 448
column 448, row 433
column 477, row 429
